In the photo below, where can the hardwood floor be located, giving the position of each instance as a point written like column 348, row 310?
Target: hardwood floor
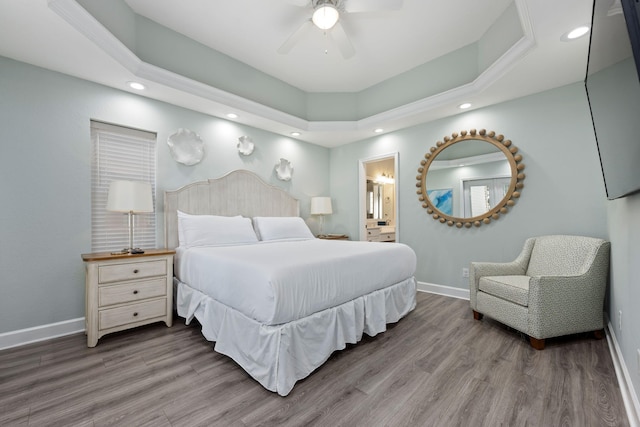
column 436, row 367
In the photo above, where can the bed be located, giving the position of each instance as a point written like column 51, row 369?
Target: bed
column 274, row 298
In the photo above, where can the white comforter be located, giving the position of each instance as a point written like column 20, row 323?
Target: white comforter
column 278, row 282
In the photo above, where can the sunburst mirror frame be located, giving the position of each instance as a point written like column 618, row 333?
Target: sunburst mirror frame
column 515, row 186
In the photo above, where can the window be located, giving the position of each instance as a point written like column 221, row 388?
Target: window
column 120, row 153
column 482, row 195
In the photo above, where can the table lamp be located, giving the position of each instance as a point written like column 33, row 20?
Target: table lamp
column 321, row 206
column 131, row 197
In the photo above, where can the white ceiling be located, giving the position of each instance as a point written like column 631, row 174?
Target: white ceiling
column 386, row 43
column 51, row 34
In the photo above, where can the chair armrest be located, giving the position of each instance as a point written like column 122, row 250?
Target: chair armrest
column 563, row 305
column 481, row 269
column 514, row 268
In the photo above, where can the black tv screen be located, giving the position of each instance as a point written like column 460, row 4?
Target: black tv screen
column 613, row 90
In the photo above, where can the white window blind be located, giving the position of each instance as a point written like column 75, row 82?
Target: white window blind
column 479, row 200
column 120, row 153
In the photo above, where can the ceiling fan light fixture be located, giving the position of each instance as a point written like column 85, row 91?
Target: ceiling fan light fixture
column 325, row 15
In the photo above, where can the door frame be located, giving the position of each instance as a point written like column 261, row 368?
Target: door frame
column 362, row 191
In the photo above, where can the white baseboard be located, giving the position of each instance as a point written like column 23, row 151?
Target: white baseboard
column 448, row 291
column 41, row 333
column 629, row 396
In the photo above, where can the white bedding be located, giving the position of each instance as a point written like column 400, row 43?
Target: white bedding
column 278, row 282
column 280, row 309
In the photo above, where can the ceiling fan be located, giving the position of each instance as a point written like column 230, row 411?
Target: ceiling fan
column 326, row 17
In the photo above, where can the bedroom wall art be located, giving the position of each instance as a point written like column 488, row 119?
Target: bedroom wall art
column 245, row 145
column 186, row 147
column 284, row 170
column 457, row 152
column 442, row 200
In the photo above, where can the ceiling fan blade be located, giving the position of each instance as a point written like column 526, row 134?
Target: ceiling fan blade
column 354, row 6
column 342, row 40
column 300, row 3
column 295, row 37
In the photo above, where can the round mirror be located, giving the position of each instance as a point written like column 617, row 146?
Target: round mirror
column 470, row 178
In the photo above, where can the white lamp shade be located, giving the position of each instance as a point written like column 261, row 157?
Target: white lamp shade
column 321, row 206
column 130, row 196
column 325, row 16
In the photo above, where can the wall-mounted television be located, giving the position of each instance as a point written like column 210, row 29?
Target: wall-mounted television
column 613, row 90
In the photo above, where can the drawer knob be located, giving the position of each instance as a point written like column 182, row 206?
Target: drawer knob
column 135, row 292
column 135, row 271
column 135, row 314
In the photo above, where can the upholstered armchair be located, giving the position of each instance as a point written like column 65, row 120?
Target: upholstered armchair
column 555, row 287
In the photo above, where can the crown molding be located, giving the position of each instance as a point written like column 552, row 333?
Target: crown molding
column 90, row 27
column 181, row 83
column 272, row 118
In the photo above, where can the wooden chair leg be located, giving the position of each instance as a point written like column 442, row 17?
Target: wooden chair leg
column 536, row 343
column 599, row 334
column 476, row 315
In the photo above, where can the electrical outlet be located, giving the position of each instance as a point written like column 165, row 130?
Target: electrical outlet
column 465, row 272
column 620, row 320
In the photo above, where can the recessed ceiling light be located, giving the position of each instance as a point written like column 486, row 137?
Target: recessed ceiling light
column 379, row 130
column 464, row 105
column 136, row 85
column 232, row 115
column 295, row 133
column 575, row 33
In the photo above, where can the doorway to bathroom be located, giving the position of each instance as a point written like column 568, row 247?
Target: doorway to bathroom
column 378, row 198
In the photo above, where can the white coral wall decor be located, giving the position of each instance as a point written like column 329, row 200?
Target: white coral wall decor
column 186, row 147
column 245, row 145
column 284, row 170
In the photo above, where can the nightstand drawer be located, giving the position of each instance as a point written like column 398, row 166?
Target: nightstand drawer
column 373, row 232
column 387, row 237
column 132, row 313
column 130, row 292
column 131, row 271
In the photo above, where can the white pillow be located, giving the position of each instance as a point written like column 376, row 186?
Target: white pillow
column 212, row 230
column 281, row 228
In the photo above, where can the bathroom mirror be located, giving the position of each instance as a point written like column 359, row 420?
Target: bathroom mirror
column 470, row 179
column 375, row 200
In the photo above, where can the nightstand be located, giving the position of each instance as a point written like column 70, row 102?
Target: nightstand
column 381, row 234
column 333, row 236
column 124, row 291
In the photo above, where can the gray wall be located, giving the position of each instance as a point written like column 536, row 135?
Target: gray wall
column 563, row 193
column 624, row 233
column 45, row 179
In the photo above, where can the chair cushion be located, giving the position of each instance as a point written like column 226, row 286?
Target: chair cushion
column 510, row 288
column 562, row 255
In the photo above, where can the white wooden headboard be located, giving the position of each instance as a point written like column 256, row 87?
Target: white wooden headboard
column 239, row 192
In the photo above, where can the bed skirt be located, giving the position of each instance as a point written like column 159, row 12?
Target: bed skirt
column 278, row 356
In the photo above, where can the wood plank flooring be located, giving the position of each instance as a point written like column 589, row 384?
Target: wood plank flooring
column 436, row 367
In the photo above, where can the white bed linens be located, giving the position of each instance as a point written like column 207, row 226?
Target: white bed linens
column 378, row 288
column 278, row 356
column 282, row 281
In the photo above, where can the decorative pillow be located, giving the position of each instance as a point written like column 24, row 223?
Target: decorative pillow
column 281, row 228
column 212, row 230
